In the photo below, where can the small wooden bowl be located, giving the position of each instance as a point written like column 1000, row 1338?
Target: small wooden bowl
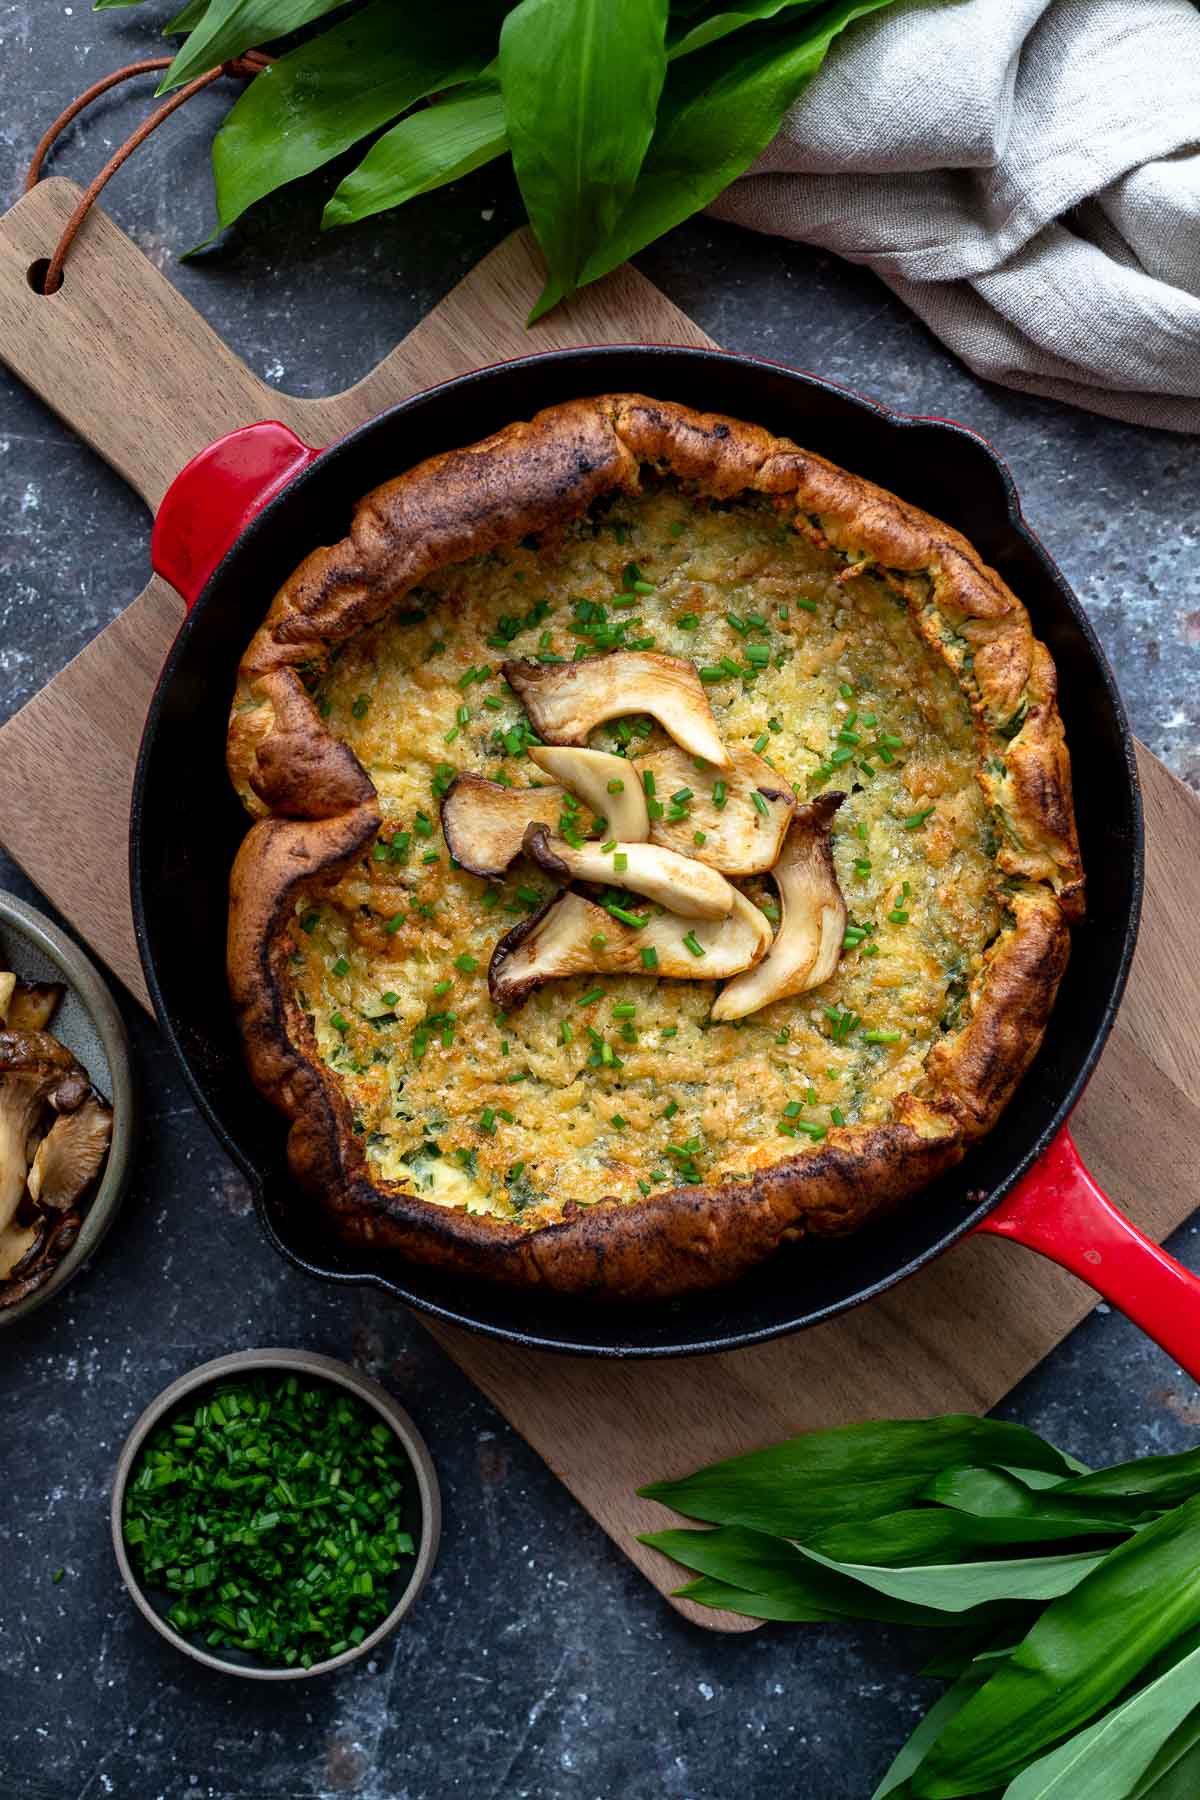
column 298, row 1362
column 91, row 1027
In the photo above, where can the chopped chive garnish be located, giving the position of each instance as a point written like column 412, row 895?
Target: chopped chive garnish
column 273, row 1512
column 609, row 846
column 649, row 956
column 808, row 605
column 688, row 622
column 917, row 819
column 309, row 922
column 670, row 1109
column 487, row 1120
column 431, row 856
column 881, row 1037
column 359, row 708
column 760, row 804
column 692, row 942
column 719, row 795
column 616, row 786
column 389, row 999
column 423, row 825
column 898, row 916
column 625, row 1010
column 837, row 1115
column 842, row 1022
column 840, row 756
column 669, row 1031
column 709, row 674
column 618, row 1122
column 565, row 1032
column 339, row 1021
column 341, row 966
column 784, row 614
column 699, row 838
column 620, row 862
column 626, row 917
column 592, row 994
column 466, row 965
column 394, row 923
column 792, row 1110
column 529, row 896
column 758, row 654
column 598, row 940
column 761, row 742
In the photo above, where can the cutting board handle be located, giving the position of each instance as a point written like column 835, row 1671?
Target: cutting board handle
column 117, row 352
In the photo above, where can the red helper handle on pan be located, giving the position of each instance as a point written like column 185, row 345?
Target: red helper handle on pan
column 213, row 499
column 1057, row 1209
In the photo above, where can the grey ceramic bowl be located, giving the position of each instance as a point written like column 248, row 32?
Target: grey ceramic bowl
column 302, row 1362
column 89, row 1024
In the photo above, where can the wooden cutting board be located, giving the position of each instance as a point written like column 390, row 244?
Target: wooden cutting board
column 129, row 365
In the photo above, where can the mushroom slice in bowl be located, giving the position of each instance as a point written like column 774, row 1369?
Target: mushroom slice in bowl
column 36, row 1072
column 71, row 1155
column 809, row 940
column 742, row 834
column 484, row 821
column 567, row 700
column 594, row 775
column 34, row 1004
column 562, row 939
column 676, row 882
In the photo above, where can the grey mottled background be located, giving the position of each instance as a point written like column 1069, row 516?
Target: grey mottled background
column 538, row 1664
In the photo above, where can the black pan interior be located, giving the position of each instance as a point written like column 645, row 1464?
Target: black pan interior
column 186, row 826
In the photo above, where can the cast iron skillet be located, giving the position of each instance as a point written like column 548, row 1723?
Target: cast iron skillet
column 186, row 825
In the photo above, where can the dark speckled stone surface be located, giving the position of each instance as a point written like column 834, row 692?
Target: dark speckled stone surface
column 539, row 1663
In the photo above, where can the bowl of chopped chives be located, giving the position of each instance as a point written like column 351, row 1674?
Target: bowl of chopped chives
column 275, row 1514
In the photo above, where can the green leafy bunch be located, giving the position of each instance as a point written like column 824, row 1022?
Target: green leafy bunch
column 1070, row 1598
column 622, row 117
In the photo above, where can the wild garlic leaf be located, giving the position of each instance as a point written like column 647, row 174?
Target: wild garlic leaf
column 768, row 1565
column 187, row 18
column 1080, row 1655
column 998, row 1494
column 683, row 40
column 231, row 26
column 1175, row 1772
column 1106, row 1760
column 581, row 82
column 719, row 110
column 1159, row 1480
column 848, row 1474
column 935, row 1534
column 909, row 1756
column 338, row 88
column 424, row 151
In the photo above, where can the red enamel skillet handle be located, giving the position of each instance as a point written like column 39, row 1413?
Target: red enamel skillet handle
column 1058, row 1210
column 214, row 497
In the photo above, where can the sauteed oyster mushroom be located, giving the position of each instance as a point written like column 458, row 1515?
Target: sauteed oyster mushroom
column 55, row 1131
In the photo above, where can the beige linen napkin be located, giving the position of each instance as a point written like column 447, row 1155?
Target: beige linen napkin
column 1025, row 174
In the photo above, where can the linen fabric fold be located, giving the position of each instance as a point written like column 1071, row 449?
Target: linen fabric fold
column 1025, row 175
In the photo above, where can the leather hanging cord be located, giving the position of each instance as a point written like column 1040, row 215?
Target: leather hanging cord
column 240, row 67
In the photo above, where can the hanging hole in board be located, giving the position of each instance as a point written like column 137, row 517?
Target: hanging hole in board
column 36, row 274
